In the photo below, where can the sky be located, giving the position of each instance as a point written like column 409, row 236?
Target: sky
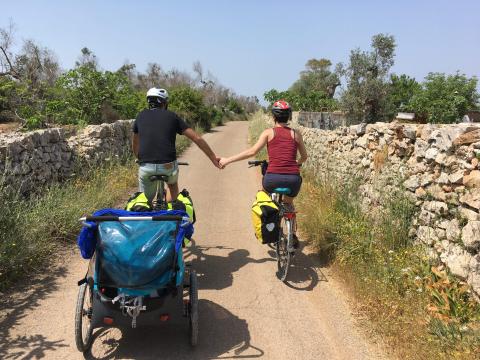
column 252, row 46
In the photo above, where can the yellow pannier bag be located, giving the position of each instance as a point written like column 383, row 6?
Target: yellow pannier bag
column 184, row 202
column 138, row 202
column 265, row 218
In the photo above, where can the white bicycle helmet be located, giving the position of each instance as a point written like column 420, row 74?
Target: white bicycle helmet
column 158, row 95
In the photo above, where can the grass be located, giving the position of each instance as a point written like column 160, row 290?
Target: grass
column 257, row 125
column 33, row 230
column 416, row 306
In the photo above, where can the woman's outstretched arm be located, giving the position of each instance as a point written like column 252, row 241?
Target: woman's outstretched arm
column 262, row 141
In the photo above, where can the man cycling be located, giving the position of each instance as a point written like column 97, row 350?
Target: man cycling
column 153, row 143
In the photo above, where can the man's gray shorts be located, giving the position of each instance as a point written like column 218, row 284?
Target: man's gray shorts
column 146, row 170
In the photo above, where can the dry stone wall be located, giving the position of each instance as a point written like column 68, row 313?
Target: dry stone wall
column 33, row 159
column 436, row 166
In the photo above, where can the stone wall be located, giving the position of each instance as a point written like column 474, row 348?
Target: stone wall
column 437, row 166
column 322, row 120
column 33, row 159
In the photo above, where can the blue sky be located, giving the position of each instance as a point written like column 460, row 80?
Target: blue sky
column 252, row 46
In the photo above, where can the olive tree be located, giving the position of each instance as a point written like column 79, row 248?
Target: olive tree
column 366, row 74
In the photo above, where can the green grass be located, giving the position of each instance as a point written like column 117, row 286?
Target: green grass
column 257, row 125
column 413, row 304
column 34, row 230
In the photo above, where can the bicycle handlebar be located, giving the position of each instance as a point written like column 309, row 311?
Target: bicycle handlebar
column 256, row 162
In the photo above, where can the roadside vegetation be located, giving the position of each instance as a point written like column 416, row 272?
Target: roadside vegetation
column 36, row 92
column 36, row 230
column 414, row 305
column 368, row 90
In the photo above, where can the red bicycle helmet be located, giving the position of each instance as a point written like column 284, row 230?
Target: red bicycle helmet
column 281, row 110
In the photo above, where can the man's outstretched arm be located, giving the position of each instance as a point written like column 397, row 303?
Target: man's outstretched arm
column 202, row 144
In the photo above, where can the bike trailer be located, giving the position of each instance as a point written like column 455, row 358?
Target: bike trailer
column 265, row 218
column 137, row 267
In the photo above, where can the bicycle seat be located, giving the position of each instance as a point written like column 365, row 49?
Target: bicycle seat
column 163, row 178
column 283, row 191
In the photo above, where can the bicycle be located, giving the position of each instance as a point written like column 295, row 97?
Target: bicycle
column 161, row 192
column 285, row 245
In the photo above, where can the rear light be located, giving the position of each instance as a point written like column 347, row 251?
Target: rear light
column 164, row 317
column 108, row 320
column 290, row 216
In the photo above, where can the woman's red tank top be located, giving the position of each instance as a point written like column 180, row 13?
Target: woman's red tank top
column 282, row 152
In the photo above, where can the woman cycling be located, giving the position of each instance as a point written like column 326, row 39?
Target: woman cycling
column 283, row 143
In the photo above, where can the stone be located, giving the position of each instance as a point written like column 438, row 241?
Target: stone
column 471, row 235
column 457, row 260
column 426, row 235
column 412, row 183
column 441, row 159
column 436, row 192
column 467, row 138
column 472, row 199
column 442, row 179
column 468, row 214
column 452, row 229
column 436, row 207
column 365, row 162
column 410, row 132
column 420, row 149
column 472, row 180
column 431, row 154
column 444, row 137
column 457, row 177
column 426, row 217
column 362, row 142
column 420, row 193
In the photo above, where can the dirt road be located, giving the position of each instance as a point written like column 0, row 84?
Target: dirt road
column 245, row 312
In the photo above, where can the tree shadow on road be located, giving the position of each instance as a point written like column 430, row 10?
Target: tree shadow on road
column 16, row 305
column 223, row 335
column 215, row 271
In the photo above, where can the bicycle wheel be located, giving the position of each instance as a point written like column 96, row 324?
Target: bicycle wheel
column 193, row 307
column 283, row 255
column 83, row 317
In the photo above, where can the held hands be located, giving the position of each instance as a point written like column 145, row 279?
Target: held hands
column 223, row 162
column 220, row 162
column 216, row 162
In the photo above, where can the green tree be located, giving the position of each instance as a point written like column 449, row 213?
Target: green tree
column 367, row 85
column 401, row 91
column 445, row 98
column 317, row 77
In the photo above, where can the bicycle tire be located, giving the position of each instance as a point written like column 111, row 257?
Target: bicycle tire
column 83, row 336
column 283, row 255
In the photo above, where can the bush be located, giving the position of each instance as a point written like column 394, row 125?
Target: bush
column 445, row 98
